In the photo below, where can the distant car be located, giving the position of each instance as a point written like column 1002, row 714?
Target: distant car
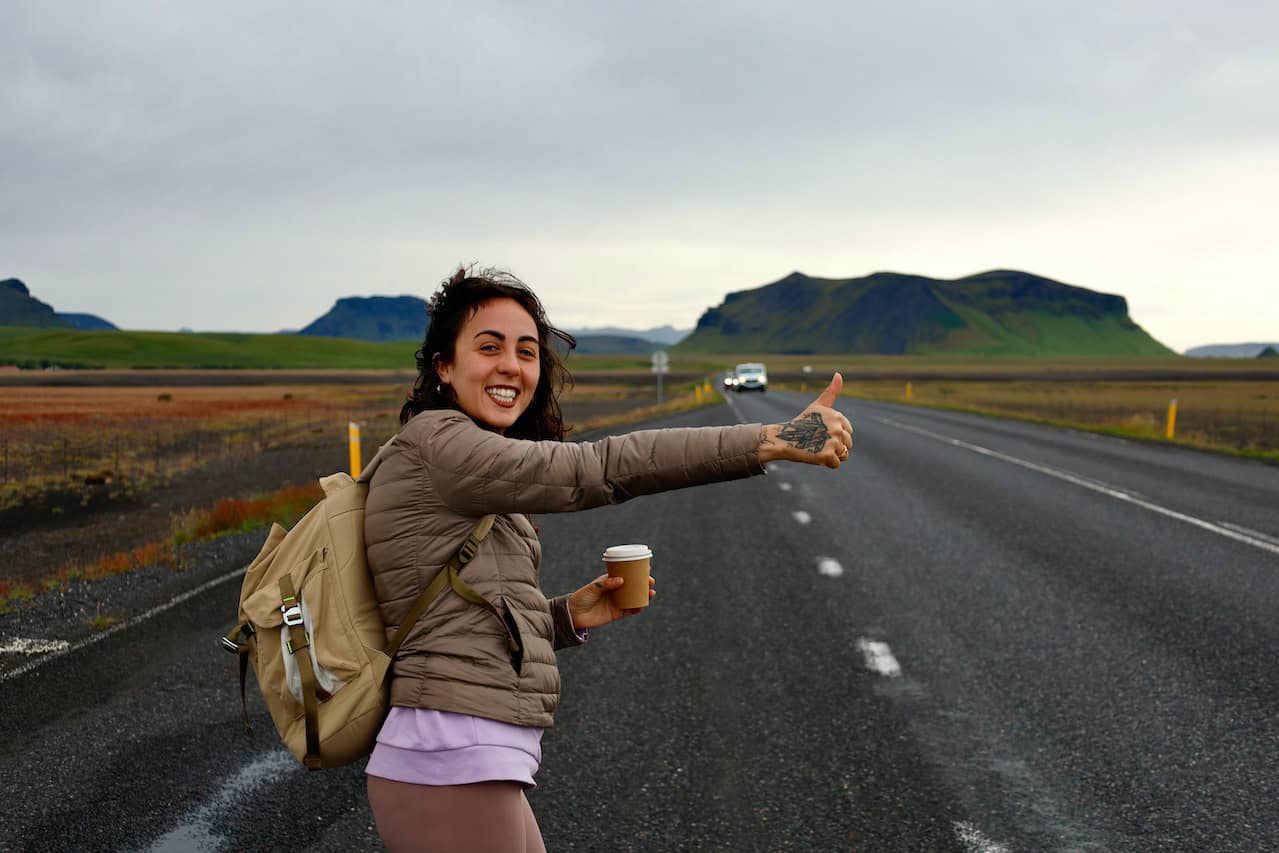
column 751, row 376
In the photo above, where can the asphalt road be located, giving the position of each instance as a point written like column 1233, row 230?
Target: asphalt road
column 977, row 635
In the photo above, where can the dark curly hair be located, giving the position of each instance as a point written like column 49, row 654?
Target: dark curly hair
column 457, row 300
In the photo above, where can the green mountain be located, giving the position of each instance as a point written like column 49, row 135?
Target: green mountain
column 386, row 319
column 88, row 322
column 614, row 345
column 1268, row 352
column 19, row 308
column 1000, row 312
column 373, row 318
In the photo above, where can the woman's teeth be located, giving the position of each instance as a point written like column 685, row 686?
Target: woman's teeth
column 504, row 396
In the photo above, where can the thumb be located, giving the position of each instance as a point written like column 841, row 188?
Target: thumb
column 827, row 397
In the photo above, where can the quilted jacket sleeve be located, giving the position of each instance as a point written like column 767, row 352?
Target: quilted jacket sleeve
column 475, row 471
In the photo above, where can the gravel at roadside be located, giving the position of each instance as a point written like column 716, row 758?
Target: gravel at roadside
column 68, row 615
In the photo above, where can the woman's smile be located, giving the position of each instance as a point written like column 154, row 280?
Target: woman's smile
column 503, row 395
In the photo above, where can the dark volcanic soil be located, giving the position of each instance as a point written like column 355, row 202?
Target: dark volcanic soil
column 38, row 549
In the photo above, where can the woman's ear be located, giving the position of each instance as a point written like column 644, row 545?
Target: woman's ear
column 441, row 368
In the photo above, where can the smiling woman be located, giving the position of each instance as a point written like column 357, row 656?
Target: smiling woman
column 475, row 682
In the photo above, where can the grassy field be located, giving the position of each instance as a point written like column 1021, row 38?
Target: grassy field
column 69, row 445
column 1237, row 417
column 64, row 448
column 69, row 348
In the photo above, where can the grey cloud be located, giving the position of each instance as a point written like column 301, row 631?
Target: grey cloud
column 201, row 123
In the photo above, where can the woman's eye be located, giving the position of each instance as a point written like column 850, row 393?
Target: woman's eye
column 528, row 353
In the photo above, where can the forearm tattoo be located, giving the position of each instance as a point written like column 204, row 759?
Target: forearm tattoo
column 806, row 433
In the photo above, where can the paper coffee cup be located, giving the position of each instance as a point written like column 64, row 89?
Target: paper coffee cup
column 632, row 563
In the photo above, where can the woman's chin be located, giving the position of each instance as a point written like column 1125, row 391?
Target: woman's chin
column 499, row 418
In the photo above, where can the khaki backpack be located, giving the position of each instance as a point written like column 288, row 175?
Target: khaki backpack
column 310, row 627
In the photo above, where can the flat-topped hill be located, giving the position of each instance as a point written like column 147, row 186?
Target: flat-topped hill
column 1000, row 312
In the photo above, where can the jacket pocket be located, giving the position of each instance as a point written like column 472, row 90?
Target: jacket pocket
column 515, row 641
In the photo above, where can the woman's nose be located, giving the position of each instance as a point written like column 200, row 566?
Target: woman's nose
column 508, row 363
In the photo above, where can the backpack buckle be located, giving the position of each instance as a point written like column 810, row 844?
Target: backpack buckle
column 292, row 614
column 469, row 549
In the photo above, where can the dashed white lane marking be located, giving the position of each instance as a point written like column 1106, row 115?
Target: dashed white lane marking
column 801, row 516
column 128, row 623
column 879, row 658
column 974, row 841
column 733, row 406
column 1247, row 531
column 1067, row 476
column 828, row 567
column 785, row 487
column 26, row 646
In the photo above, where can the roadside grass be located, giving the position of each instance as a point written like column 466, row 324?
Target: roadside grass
column 685, row 402
column 66, row 450
column 102, row 621
column 284, row 507
column 225, row 517
column 234, row 515
column 1238, row 418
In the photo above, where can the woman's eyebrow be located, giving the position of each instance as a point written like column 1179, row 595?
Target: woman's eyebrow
column 502, row 337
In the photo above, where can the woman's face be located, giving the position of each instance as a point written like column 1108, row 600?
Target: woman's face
column 495, row 364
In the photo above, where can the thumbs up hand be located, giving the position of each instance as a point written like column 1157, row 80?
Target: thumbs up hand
column 819, row 435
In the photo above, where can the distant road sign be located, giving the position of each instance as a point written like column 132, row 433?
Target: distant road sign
column 661, row 362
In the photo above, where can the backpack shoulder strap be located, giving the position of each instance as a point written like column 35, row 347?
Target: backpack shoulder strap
column 463, row 556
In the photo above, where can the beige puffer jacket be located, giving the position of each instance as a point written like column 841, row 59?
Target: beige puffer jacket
column 441, row 475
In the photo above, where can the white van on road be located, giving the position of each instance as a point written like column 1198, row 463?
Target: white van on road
column 751, row 376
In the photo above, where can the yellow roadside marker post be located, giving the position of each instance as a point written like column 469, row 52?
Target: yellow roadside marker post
column 1171, row 429
column 908, row 390
column 353, row 440
column 697, row 393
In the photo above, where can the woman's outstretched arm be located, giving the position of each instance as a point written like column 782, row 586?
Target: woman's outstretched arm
column 475, row 471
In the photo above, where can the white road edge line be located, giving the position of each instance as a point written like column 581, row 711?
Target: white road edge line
column 879, row 658
column 196, row 830
column 128, row 623
column 801, row 516
column 1247, row 531
column 32, row 646
column 829, row 567
column 974, row 841
column 1088, row 484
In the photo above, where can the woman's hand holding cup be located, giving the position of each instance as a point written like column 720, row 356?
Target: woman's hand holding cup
column 604, row 600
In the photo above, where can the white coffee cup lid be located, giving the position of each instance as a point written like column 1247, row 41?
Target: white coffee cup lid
column 618, row 553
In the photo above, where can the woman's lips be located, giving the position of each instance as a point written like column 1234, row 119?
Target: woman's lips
column 503, row 396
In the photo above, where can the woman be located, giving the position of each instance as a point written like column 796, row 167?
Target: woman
column 473, row 687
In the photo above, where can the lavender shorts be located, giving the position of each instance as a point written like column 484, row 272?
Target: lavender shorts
column 426, row 747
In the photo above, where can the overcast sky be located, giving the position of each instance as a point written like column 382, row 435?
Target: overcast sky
column 239, row 166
